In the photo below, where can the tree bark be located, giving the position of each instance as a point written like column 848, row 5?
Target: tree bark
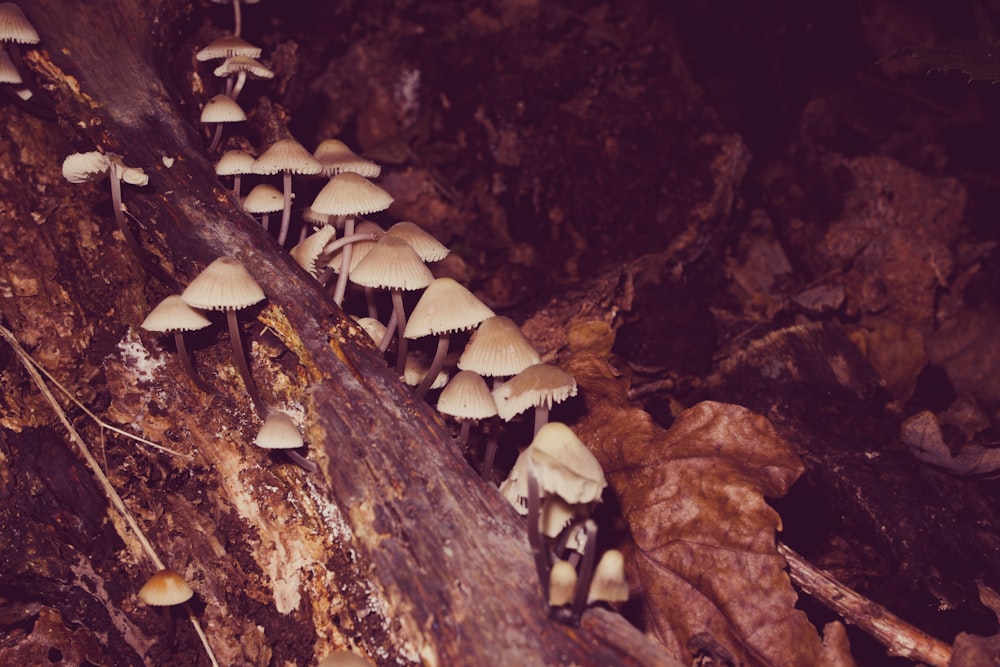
column 394, row 547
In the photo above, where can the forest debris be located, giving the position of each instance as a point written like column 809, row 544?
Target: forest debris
column 50, row 641
column 922, row 434
column 703, row 554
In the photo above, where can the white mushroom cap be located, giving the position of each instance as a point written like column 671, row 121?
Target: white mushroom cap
column 15, row 26
column 279, row 432
column 234, row 162
column 173, row 314
column 562, row 583
column 538, row 384
column 375, row 329
column 467, row 397
column 336, row 157
column 498, row 348
column 222, row 109
column 263, row 198
column 227, row 47
column 348, row 193
column 415, row 370
column 164, row 589
column 608, row 583
column 85, row 167
column 236, row 64
column 286, row 155
column 562, row 465
column 428, row 247
column 392, row 264
column 445, row 306
column 308, row 251
column 225, row 284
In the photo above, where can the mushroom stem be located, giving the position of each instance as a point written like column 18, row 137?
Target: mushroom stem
column 345, row 266
column 303, row 462
column 237, row 18
column 387, row 338
column 538, row 549
column 237, row 184
column 265, row 219
column 370, row 300
column 436, row 365
column 541, row 416
column 234, row 89
column 286, row 212
column 186, row 362
column 397, row 309
column 241, row 363
column 463, row 433
column 343, row 241
column 116, row 203
column 486, row 473
column 216, row 138
column 586, row 572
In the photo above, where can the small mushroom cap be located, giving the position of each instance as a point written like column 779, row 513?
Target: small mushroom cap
column 467, row 397
column 428, row 247
column 308, row 251
column 392, row 264
column 375, row 329
column 344, row 659
column 173, row 314
column 234, row 162
column 608, row 583
column 227, row 47
column 286, row 155
column 538, row 384
column 445, row 306
column 85, row 167
column 164, row 589
column 348, row 193
column 415, row 370
column 222, row 109
column 236, row 64
column 562, row 583
column 498, row 348
column 15, row 26
column 336, row 157
column 264, row 198
column 279, row 432
column 225, row 284
column 8, row 71
column 564, row 466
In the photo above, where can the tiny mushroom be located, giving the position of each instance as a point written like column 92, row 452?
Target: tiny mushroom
column 467, row 399
column 227, row 47
column 336, row 157
column 280, row 432
column 309, row 250
column 562, row 584
column 608, row 583
column 538, row 386
column 225, row 284
column 392, row 264
column 166, row 589
column 498, row 349
column 237, row 69
column 428, row 247
column 348, row 195
column 287, row 157
column 446, row 306
column 173, row 315
column 218, row 111
column 235, row 163
column 416, row 371
column 264, row 199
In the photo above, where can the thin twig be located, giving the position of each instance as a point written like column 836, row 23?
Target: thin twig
column 33, row 370
column 899, row 637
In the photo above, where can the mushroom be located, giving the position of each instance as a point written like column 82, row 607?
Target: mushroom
column 236, row 70
column 166, row 589
column 336, row 157
column 562, row 583
column 288, row 157
column 466, row 398
column 446, row 306
column 309, row 250
column 608, row 583
column 265, row 199
column 498, row 349
column 416, row 371
column 221, row 110
column 428, row 247
column 358, row 252
column 235, row 163
column 280, row 432
column 538, row 386
column 173, row 315
column 227, row 47
column 225, row 284
column 349, row 194
column 393, row 265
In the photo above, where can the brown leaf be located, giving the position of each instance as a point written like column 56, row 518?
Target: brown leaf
column 703, row 553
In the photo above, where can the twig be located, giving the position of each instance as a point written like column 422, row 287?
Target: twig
column 33, row 370
column 899, row 637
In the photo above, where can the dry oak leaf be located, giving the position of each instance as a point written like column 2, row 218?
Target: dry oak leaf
column 703, row 553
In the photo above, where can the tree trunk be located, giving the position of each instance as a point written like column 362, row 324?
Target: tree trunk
column 394, row 547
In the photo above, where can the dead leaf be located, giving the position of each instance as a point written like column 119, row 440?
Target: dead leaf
column 703, row 555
